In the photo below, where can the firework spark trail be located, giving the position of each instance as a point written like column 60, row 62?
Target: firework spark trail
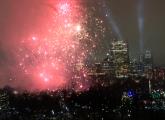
column 73, row 33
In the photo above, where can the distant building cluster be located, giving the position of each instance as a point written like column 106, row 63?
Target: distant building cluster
column 117, row 64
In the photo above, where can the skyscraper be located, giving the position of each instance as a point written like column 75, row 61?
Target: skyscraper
column 141, row 64
column 135, row 65
column 148, row 61
column 119, row 51
column 109, row 68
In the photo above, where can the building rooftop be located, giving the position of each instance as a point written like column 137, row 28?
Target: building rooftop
column 107, row 59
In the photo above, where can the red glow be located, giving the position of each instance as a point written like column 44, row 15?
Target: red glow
column 51, row 42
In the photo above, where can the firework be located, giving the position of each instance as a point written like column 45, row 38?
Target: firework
column 72, row 34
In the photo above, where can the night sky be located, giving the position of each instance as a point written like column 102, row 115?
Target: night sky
column 142, row 23
column 138, row 21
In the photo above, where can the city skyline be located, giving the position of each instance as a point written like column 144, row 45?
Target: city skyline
column 139, row 22
column 42, row 39
column 82, row 59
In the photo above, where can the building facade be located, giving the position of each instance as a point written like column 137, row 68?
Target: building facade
column 148, row 61
column 141, row 64
column 109, row 68
column 135, row 65
column 119, row 51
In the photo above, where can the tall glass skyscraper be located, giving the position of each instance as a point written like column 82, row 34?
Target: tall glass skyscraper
column 119, row 51
column 148, row 61
column 141, row 64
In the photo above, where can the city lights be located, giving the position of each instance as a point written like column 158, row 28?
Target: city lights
column 68, row 60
